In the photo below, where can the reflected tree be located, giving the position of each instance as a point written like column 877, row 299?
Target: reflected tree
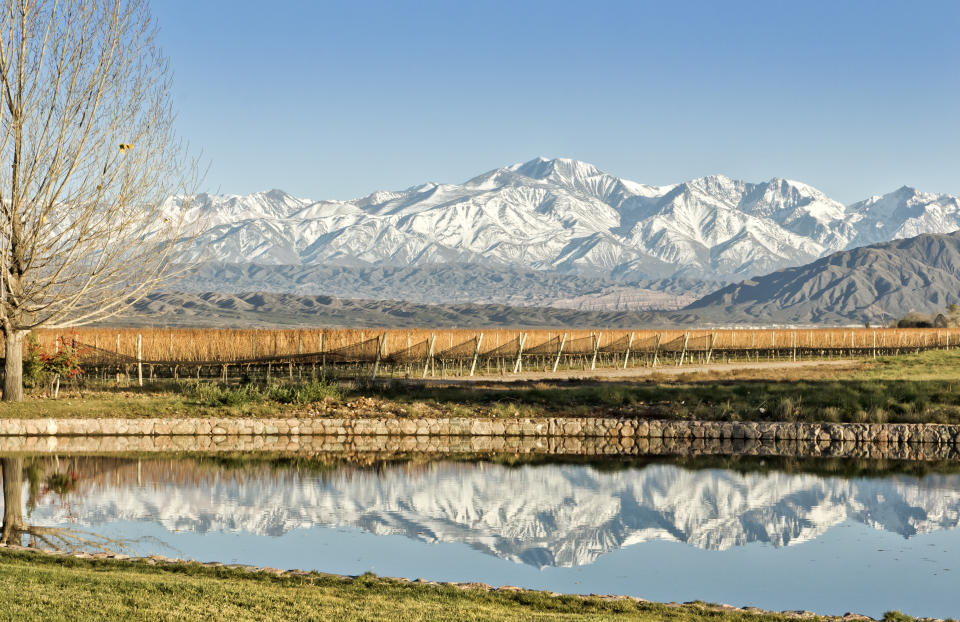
column 16, row 531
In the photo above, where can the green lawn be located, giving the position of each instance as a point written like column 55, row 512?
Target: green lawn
column 38, row 587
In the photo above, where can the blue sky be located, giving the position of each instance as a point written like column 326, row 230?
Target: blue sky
column 337, row 99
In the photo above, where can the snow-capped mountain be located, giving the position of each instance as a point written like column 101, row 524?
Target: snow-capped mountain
column 567, row 216
column 903, row 213
column 556, row 515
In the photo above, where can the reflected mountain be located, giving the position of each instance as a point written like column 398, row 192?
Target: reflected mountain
column 555, row 515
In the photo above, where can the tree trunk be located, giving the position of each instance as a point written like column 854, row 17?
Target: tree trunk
column 12, row 500
column 13, row 366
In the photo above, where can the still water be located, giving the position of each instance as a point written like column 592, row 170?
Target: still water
column 773, row 535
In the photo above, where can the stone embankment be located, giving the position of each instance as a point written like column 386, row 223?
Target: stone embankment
column 576, row 427
column 548, row 435
column 385, row 447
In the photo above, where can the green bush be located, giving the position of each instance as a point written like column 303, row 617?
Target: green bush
column 299, row 394
column 210, row 394
column 32, row 363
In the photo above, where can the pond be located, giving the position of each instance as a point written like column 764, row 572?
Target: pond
column 831, row 537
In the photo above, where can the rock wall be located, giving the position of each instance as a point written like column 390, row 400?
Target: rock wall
column 587, row 436
column 578, row 427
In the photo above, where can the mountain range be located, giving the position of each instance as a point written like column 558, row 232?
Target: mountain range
column 567, row 217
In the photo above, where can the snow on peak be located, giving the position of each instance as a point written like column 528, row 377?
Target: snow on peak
column 565, row 214
column 562, row 168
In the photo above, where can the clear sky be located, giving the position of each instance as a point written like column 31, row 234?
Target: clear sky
column 338, row 99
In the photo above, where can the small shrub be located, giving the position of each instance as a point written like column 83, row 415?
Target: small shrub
column 830, row 414
column 32, row 363
column 896, row 616
column 787, row 410
column 300, row 394
column 209, row 394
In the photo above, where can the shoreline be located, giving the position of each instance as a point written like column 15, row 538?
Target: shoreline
column 713, row 610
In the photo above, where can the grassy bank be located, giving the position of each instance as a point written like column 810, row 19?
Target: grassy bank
column 41, row 587
column 920, row 388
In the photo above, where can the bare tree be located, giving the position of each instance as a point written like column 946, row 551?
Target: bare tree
column 88, row 156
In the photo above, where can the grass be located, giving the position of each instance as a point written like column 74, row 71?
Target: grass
column 41, row 587
column 919, row 388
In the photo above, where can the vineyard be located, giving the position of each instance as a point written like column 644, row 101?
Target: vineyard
column 226, row 354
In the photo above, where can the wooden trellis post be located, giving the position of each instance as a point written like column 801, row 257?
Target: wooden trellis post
column 556, row 362
column 596, row 350
column 140, row 359
column 656, row 350
column 376, row 363
column 713, row 338
column 323, row 353
column 794, row 346
column 683, row 353
column 518, row 366
column 57, row 345
column 429, row 359
column 874, row 344
column 476, row 354
column 626, row 355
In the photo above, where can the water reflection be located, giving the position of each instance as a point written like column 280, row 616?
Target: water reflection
column 18, row 531
column 555, row 515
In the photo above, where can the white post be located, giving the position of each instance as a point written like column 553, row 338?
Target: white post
column 426, row 364
column 596, row 350
column 656, row 350
column 140, row 359
column 476, row 355
column 713, row 338
column 626, row 356
column 518, row 366
column 683, row 353
column 556, row 362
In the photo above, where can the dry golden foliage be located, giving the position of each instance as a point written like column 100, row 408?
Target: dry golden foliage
column 233, row 344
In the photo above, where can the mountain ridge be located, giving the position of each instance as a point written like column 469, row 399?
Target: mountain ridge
column 876, row 283
column 566, row 216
